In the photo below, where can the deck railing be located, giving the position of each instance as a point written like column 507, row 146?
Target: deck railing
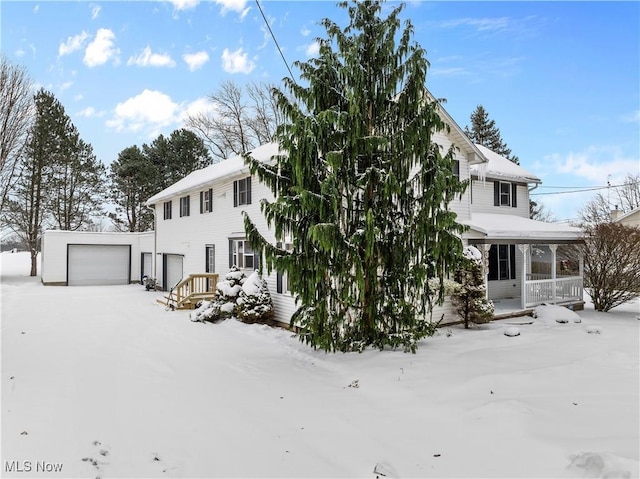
column 557, row 290
column 192, row 289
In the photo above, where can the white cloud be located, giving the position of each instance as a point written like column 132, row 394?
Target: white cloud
column 237, row 62
column 151, row 109
column 90, row 112
column 199, row 106
column 632, row 117
column 195, row 60
column 101, row 49
column 36, row 9
column 594, row 164
column 72, row 44
column 233, row 5
column 305, row 32
column 19, row 53
column 184, row 4
column 95, row 11
column 312, row 49
column 78, row 97
column 480, row 24
column 65, row 86
column 148, row 59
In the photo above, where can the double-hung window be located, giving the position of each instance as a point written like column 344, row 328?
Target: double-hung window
column 282, row 278
column 206, row 201
column 184, row 206
column 505, row 194
column 242, row 191
column 241, row 254
column 167, row 210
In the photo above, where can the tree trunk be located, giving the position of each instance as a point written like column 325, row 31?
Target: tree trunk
column 34, row 262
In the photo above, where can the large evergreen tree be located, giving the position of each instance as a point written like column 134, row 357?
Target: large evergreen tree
column 134, row 179
column 484, row 131
column 76, row 187
column 26, row 209
column 362, row 188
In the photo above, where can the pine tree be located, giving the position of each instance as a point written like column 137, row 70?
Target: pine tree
column 469, row 297
column 134, row 179
column 485, row 132
column 362, row 188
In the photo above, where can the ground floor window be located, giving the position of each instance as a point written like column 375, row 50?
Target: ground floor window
column 502, row 262
column 241, row 254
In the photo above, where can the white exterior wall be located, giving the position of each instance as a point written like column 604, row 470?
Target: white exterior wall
column 482, row 199
column 460, row 206
column 189, row 235
column 53, row 267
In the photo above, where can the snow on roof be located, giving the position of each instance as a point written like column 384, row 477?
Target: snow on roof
column 217, row 171
column 626, row 215
column 499, row 226
column 501, row 168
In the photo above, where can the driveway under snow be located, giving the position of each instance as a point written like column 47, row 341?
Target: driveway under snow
column 102, row 381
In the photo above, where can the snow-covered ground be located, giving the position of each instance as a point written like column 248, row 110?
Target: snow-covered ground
column 102, row 381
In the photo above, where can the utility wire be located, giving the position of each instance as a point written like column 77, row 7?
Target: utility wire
column 582, row 190
column 275, row 41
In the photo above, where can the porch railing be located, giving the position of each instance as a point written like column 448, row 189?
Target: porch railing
column 192, row 289
column 557, row 290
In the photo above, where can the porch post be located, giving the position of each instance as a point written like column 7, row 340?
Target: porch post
column 484, row 249
column 581, row 269
column 553, row 248
column 524, row 248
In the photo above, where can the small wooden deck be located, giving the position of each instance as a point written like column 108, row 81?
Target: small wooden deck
column 190, row 291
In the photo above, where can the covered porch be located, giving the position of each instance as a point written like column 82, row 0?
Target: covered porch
column 528, row 263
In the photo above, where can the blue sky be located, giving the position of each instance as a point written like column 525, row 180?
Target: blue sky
column 561, row 79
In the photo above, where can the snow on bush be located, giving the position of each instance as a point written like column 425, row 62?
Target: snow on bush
column 550, row 314
column 248, row 299
column 469, row 297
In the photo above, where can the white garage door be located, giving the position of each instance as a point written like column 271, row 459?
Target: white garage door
column 173, row 273
column 98, row 264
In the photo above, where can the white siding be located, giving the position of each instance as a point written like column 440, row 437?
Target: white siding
column 189, row 235
column 482, row 199
column 460, row 206
column 508, row 288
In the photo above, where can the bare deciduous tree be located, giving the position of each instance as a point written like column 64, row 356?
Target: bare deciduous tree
column 16, row 111
column 237, row 122
column 612, row 264
column 624, row 198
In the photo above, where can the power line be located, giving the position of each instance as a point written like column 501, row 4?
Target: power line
column 583, row 189
column 275, row 41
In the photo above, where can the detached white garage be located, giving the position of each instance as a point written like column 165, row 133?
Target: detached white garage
column 78, row 258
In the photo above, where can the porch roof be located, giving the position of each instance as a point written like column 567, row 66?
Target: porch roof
column 487, row 227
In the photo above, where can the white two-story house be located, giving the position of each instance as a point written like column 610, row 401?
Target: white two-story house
column 199, row 228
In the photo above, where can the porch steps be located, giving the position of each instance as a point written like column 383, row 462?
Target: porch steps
column 190, row 291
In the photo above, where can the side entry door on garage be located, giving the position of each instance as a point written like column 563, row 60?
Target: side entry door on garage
column 145, row 265
column 172, row 270
column 97, row 264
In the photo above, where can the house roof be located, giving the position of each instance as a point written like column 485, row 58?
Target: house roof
column 205, row 176
column 498, row 167
column 627, row 215
column 495, row 226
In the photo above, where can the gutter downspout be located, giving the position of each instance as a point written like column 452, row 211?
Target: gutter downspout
column 155, row 240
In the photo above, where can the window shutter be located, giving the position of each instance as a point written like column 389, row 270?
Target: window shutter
column 512, row 260
column 278, row 274
column 210, row 200
column 201, row 202
column 496, row 193
column 514, row 195
column 180, row 206
column 188, row 200
column 235, row 193
column 248, row 190
column 230, row 253
column 493, row 262
column 206, row 255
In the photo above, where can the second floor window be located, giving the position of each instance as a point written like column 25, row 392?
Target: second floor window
column 505, row 194
column 206, row 201
column 242, row 191
column 167, row 210
column 184, row 206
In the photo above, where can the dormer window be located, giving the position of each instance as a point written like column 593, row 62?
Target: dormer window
column 505, row 194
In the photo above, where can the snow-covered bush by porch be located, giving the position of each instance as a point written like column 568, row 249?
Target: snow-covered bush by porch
column 248, row 299
column 469, row 297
